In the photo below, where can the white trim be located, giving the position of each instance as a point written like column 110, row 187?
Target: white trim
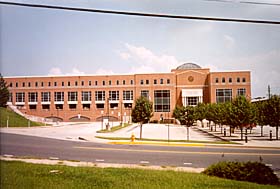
column 113, row 101
column 45, row 103
column 86, row 102
column 20, row 103
column 72, row 102
column 128, row 101
column 100, row 102
column 58, row 102
column 32, row 103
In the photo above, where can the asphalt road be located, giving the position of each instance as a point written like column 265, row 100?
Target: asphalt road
column 200, row 157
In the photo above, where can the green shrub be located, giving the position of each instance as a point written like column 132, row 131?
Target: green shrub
column 248, row 171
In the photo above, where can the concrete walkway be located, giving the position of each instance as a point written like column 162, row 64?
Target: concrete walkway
column 78, row 131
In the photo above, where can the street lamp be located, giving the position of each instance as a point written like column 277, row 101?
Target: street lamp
column 102, row 119
column 129, row 108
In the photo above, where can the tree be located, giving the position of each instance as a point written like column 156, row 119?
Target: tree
column 4, row 92
column 261, row 117
column 241, row 114
column 186, row 116
column 272, row 108
column 142, row 112
column 210, row 114
column 200, row 111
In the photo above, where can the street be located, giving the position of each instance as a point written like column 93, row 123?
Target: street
column 197, row 157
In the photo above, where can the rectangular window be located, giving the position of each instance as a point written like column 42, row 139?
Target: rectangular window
column 217, row 80
column 55, row 83
column 243, row 79
column 230, row 80
column 223, row 80
column 46, row 107
column 59, row 96
column 86, row 95
column 110, row 82
column 73, row 96
column 23, row 84
column 223, row 95
column 114, row 95
column 131, row 82
column 72, row 106
column 42, row 84
column 11, row 84
column 69, row 83
column 96, row 83
column 62, row 83
column 128, row 95
column 45, row 96
column 20, row 97
column 241, row 92
column 29, row 84
column 162, row 100
column 141, row 81
column 123, row 82
column 100, row 106
column 238, row 80
column 59, row 106
column 16, row 84
column 117, row 82
column 145, row 93
column 168, row 81
column 76, row 83
column 32, row 97
column 99, row 95
column 86, row 106
column 147, row 82
column 82, row 83
column 192, row 100
column 36, row 84
column 103, row 82
column 10, row 97
column 89, row 83
column 161, row 81
column 155, row 81
column 49, row 84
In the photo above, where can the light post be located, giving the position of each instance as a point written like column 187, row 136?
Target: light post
column 112, row 118
column 121, row 114
column 129, row 109
column 102, row 119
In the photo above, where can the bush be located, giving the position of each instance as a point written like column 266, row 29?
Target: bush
column 154, row 121
column 249, row 171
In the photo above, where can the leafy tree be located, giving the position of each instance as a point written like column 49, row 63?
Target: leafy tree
column 142, row 112
column 241, row 113
column 210, row 113
column 261, row 117
column 200, row 111
column 186, row 116
column 4, row 92
column 272, row 114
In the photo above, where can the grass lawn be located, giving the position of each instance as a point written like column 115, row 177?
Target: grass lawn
column 114, row 128
column 15, row 120
column 24, row 175
column 164, row 140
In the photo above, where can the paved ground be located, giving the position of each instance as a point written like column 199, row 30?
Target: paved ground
column 75, row 131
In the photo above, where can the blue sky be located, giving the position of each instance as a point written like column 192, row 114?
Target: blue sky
column 38, row 41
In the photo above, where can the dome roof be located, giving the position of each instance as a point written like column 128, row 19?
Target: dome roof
column 188, row 66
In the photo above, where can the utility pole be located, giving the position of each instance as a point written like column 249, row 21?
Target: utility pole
column 268, row 88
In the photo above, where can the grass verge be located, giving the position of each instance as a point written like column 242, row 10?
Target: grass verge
column 25, row 175
column 114, row 128
column 15, row 120
column 164, row 140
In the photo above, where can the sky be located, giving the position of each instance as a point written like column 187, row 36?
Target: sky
column 41, row 42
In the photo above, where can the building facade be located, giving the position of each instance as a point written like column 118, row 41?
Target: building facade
column 91, row 98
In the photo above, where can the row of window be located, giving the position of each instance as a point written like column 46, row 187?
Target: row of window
column 72, row 96
column 223, row 80
column 225, row 95
column 161, row 98
column 76, row 83
column 147, row 82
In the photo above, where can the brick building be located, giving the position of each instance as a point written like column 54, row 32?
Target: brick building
column 72, row 98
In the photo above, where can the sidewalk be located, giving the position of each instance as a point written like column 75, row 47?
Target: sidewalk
column 87, row 132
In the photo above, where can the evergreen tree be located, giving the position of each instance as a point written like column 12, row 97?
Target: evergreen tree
column 4, row 92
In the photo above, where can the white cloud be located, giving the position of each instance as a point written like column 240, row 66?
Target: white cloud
column 102, row 71
column 229, row 41
column 144, row 60
column 55, row 71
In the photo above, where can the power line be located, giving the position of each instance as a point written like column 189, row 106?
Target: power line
column 246, row 2
column 142, row 14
